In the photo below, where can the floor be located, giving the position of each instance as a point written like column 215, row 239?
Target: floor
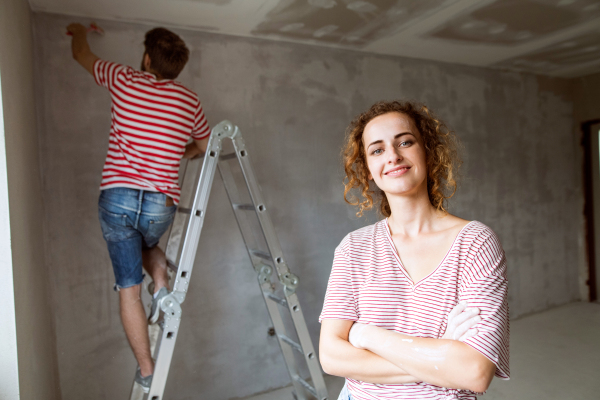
column 555, row 354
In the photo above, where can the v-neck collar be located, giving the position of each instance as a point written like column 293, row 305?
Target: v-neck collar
column 397, row 256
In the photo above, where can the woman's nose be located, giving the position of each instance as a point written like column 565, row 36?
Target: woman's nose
column 394, row 156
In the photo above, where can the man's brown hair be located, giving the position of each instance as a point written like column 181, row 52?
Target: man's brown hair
column 167, row 51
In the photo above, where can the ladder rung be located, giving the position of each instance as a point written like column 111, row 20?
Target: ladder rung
column 261, row 254
column 248, row 207
column 276, row 299
column 172, row 265
column 307, row 386
column 184, row 210
column 228, row 156
column 289, row 341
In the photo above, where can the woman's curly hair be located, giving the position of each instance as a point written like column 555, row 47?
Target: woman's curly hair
column 441, row 152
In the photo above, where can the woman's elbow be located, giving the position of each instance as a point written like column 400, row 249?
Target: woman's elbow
column 481, row 376
column 327, row 362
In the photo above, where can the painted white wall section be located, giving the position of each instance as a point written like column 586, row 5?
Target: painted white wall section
column 9, row 369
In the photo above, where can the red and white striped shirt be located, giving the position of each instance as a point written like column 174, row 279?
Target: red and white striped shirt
column 368, row 284
column 151, row 124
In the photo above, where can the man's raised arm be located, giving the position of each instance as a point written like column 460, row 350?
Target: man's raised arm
column 80, row 47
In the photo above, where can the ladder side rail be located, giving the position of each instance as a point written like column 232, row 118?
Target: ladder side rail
column 171, row 304
column 288, row 279
column 266, row 225
column 264, row 273
column 312, row 361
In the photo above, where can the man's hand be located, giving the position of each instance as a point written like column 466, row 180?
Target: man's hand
column 76, row 29
column 461, row 321
column 80, row 48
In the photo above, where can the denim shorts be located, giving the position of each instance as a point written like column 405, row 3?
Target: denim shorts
column 345, row 394
column 132, row 220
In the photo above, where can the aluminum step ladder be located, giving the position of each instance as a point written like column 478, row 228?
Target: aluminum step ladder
column 265, row 255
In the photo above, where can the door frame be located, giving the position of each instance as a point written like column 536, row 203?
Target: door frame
column 588, row 209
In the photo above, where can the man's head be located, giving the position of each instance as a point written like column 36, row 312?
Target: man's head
column 167, row 52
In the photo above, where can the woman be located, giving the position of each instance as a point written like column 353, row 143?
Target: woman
column 397, row 288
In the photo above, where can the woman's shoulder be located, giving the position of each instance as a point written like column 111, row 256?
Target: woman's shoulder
column 483, row 251
column 363, row 236
column 479, row 233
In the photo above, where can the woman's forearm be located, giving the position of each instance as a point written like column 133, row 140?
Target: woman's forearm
column 338, row 357
column 446, row 363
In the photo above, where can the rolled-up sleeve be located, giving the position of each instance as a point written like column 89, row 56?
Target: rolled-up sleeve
column 340, row 298
column 487, row 289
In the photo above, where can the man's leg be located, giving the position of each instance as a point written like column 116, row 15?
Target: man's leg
column 155, row 263
column 134, row 321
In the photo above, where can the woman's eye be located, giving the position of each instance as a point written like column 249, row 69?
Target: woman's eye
column 406, row 143
column 377, row 151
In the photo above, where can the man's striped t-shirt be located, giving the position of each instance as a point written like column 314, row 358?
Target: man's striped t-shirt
column 368, row 284
column 151, row 123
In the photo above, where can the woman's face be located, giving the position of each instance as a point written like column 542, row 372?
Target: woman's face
column 395, row 154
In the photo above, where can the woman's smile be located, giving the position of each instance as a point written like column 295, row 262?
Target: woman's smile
column 397, row 171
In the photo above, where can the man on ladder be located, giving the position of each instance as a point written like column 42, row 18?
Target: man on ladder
column 153, row 117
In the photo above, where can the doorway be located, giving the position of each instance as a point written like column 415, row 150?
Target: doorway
column 591, row 145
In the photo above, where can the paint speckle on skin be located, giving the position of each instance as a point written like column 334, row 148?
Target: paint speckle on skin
column 436, row 367
column 407, row 340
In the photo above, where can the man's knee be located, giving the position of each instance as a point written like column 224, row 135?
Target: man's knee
column 130, row 295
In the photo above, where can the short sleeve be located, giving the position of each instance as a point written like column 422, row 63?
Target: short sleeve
column 201, row 128
column 340, row 298
column 487, row 289
column 106, row 72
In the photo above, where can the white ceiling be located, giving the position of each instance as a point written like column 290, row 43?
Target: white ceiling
column 550, row 37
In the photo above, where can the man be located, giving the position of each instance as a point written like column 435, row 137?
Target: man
column 153, row 117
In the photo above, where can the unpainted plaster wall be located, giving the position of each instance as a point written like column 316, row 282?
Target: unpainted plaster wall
column 292, row 102
column 587, row 98
column 36, row 345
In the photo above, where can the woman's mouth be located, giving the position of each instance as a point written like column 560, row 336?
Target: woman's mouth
column 397, row 171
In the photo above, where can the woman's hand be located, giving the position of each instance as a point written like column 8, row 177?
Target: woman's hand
column 357, row 335
column 461, row 321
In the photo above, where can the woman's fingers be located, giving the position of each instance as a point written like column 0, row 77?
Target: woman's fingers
column 465, row 326
column 468, row 334
column 464, row 316
column 459, row 308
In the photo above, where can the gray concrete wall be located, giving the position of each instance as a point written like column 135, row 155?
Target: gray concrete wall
column 293, row 103
column 586, row 95
column 36, row 344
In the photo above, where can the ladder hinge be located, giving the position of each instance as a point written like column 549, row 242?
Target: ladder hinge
column 264, row 272
column 290, row 281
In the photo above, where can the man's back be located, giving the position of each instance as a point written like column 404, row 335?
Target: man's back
column 152, row 121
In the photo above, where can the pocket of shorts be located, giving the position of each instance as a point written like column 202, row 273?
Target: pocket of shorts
column 112, row 218
column 158, row 225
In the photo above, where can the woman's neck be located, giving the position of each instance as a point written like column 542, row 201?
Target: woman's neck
column 411, row 214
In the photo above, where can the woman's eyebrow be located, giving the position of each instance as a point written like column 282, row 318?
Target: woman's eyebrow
column 395, row 137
